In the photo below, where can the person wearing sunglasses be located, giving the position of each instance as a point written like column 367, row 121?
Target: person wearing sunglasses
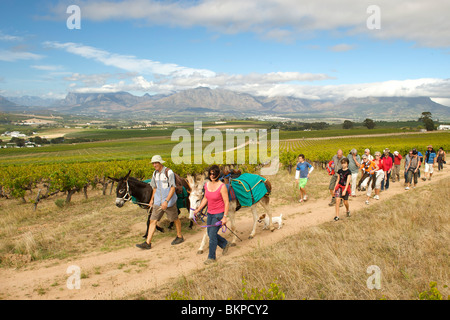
column 216, row 197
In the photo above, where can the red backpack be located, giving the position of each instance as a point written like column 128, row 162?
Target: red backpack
column 329, row 168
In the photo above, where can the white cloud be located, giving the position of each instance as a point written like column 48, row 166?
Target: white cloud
column 423, row 22
column 47, row 67
column 168, row 77
column 11, row 56
column 128, row 62
column 443, row 101
column 7, row 37
column 261, row 86
column 342, row 47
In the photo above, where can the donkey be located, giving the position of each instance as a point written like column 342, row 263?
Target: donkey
column 197, row 194
column 128, row 187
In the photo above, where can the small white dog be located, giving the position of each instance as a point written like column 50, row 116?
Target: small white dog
column 278, row 220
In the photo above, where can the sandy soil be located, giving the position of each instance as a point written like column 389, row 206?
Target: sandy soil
column 119, row 274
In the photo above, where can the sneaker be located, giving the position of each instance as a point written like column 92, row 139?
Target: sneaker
column 407, row 188
column 301, row 200
column 225, row 250
column 348, row 214
column 144, row 246
column 336, row 219
column 305, row 198
column 367, row 201
column 333, row 202
column 177, row 240
column 209, row 261
column 424, row 179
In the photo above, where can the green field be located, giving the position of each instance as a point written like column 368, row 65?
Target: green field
column 142, row 144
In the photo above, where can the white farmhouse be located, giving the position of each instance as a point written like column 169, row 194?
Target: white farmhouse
column 444, row 127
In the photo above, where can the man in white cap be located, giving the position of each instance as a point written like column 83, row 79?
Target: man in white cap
column 164, row 200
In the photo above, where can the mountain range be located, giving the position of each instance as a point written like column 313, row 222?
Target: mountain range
column 206, row 102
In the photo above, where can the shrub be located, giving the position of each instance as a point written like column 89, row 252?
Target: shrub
column 273, row 293
column 432, row 294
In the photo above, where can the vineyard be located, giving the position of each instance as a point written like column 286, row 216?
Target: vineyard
column 80, row 168
column 322, row 150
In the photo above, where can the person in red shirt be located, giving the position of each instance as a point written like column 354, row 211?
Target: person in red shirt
column 387, row 168
column 396, row 169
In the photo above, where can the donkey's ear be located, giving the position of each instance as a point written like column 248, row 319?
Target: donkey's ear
column 190, row 181
column 113, row 179
column 201, row 180
column 127, row 176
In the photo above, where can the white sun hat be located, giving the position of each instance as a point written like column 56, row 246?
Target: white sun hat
column 157, row 158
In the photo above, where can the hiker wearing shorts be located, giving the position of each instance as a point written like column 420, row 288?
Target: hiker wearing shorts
column 430, row 161
column 302, row 173
column 164, row 200
column 342, row 189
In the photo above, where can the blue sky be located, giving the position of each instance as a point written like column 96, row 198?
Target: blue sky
column 309, row 49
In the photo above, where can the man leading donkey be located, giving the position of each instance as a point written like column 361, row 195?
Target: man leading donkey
column 164, row 200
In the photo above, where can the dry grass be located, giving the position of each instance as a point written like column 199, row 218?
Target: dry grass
column 286, row 191
column 407, row 237
column 85, row 225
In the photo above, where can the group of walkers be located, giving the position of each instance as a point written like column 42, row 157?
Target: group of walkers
column 377, row 172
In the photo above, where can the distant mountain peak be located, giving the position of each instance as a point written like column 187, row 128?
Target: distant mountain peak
column 202, row 100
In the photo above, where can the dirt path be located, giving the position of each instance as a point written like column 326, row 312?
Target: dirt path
column 118, row 274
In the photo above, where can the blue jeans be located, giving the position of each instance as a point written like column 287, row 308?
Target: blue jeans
column 214, row 238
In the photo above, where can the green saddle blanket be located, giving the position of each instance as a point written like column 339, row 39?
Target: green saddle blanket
column 249, row 188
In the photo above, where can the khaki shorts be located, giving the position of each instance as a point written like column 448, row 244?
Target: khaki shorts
column 171, row 212
column 332, row 182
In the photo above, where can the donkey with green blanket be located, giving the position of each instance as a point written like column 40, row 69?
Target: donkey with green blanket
column 249, row 190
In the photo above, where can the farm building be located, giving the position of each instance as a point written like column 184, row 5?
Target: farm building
column 444, row 127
